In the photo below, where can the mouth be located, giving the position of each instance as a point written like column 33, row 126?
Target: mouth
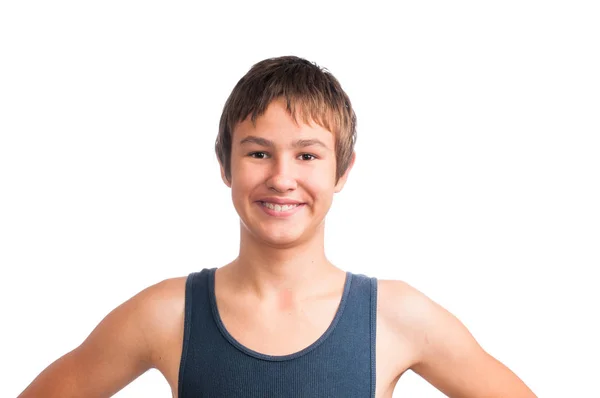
column 279, row 207
column 280, row 210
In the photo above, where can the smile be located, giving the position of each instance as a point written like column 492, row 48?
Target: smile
column 277, row 207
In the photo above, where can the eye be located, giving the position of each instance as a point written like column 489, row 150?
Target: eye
column 308, row 156
column 257, row 155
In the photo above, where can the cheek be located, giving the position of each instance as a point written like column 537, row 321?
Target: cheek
column 242, row 175
column 244, row 184
column 321, row 177
column 321, row 188
column 240, row 187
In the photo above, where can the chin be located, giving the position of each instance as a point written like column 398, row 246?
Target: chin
column 280, row 237
column 281, row 240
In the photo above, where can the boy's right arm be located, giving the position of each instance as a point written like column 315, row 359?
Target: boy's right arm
column 116, row 352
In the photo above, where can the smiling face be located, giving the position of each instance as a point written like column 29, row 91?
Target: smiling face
column 283, row 176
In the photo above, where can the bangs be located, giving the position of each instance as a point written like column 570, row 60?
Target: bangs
column 301, row 109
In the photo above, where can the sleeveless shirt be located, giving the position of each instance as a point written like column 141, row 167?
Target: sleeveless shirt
column 341, row 363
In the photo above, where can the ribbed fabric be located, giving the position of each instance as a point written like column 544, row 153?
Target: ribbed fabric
column 341, row 363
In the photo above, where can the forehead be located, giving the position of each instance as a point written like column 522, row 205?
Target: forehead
column 279, row 125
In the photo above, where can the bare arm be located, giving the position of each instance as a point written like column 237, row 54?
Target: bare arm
column 114, row 354
column 448, row 356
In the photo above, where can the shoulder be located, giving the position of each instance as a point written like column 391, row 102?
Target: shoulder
column 164, row 294
column 412, row 312
column 163, row 301
column 146, row 315
column 159, row 310
column 445, row 352
column 430, row 329
column 406, row 310
column 132, row 338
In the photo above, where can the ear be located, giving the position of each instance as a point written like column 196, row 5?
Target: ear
column 223, row 177
column 342, row 181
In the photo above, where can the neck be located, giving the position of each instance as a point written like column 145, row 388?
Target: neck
column 268, row 271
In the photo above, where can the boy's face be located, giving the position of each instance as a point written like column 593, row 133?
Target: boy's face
column 277, row 162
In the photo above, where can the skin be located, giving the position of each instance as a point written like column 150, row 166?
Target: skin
column 268, row 298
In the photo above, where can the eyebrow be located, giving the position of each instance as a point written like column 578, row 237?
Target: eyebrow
column 268, row 143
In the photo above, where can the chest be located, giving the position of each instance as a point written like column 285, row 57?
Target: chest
column 283, row 329
column 281, row 333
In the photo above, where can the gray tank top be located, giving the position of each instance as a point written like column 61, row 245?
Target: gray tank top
column 341, row 363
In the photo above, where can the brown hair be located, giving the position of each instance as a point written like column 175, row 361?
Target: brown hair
column 308, row 89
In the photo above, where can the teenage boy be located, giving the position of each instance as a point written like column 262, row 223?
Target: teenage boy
column 281, row 320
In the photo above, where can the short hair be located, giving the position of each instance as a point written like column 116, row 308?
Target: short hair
column 309, row 91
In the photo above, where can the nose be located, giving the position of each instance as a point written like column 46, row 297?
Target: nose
column 281, row 178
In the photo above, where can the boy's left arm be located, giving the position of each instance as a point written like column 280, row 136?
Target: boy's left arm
column 448, row 356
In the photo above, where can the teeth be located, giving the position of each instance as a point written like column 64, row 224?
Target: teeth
column 275, row 207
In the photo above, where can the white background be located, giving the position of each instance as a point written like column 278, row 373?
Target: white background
column 477, row 177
